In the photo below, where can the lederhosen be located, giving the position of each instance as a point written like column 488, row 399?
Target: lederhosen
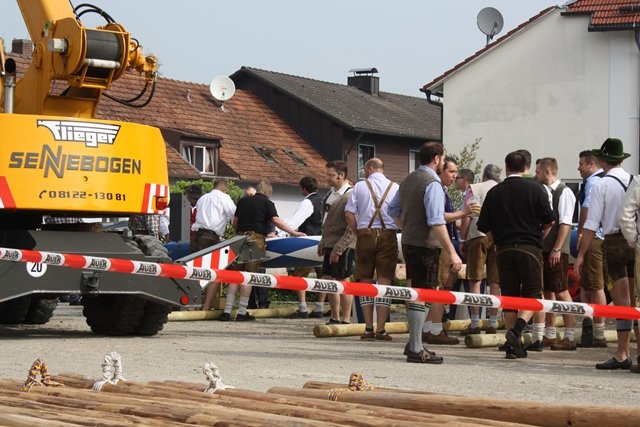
column 378, row 233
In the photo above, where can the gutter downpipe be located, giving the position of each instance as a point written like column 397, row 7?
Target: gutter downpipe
column 438, row 104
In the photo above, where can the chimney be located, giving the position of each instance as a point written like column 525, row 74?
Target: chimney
column 22, row 47
column 364, row 79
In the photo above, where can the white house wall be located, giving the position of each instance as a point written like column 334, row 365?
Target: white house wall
column 554, row 89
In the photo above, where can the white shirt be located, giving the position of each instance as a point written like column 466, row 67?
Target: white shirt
column 588, row 186
column 566, row 203
column 628, row 220
column 591, row 181
column 214, row 210
column 335, row 195
column 302, row 212
column 606, row 201
column 361, row 203
column 164, row 222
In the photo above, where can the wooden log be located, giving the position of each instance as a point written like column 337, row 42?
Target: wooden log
column 18, row 417
column 323, row 385
column 609, row 335
column 541, row 414
column 242, row 399
column 361, row 412
column 259, row 313
column 459, row 325
column 491, row 340
column 170, row 409
column 494, row 340
column 77, row 402
column 354, row 329
column 180, row 394
column 325, row 411
column 75, row 415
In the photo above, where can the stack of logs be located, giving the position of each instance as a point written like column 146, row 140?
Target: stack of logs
column 317, row 404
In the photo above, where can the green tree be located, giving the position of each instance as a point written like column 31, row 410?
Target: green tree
column 467, row 159
column 207, row 185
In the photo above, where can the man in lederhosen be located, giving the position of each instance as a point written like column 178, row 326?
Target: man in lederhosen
column 376, row 244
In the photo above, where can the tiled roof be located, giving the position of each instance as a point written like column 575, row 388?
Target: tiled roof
column 435, row 84
column 247, row 122
column 607, row 15
column 385, row 114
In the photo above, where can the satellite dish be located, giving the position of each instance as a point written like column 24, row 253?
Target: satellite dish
column 222, row 89
column 490, row 22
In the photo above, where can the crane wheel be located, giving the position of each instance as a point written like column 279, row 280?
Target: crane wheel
column 155, row 314
column 14, row 311
column 116, row 314
column 40, row 310
column 113, row 314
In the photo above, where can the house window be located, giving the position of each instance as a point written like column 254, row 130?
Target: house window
column 299, row 160
column 414, row 160
column 365, row 152
column 201, row 157
column 266, row 153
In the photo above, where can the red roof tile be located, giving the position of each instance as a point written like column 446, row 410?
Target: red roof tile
column 247, row 123
column 607, row 15
column 438, row 80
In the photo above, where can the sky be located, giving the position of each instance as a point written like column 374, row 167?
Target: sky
column 410, row 42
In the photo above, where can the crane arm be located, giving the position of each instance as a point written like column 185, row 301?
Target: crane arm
column 89, row 60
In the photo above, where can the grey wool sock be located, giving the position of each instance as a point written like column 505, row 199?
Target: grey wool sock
column 416, row 313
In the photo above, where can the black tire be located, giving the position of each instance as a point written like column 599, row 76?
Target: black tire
column 40, row 310
column 113, row 314
column 153, row 320
column 128, row 314
column 14, row 311
column 155, row 314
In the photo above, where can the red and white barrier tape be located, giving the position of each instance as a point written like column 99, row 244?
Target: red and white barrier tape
column 177, row 271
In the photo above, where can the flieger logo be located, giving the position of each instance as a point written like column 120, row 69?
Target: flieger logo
column 147, row 268
column 200, row 275
column 259, row 280
column 398, row 293
column 477, row 300
column 559, row 307
column 325, row 286
column 89, row 133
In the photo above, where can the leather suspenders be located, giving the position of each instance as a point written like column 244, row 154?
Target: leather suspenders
column 377, row 204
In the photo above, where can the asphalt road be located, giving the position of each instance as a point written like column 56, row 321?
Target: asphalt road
column 281, row 352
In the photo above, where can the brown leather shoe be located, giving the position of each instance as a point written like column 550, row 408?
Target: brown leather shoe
column 547, row 342
column 382, row 336
column 407, row 351
column 367, row 336
column 491, row 330
column 441, row 339
column 566, row 344
column 423, row 357
column 599, row 342
column 470, row 331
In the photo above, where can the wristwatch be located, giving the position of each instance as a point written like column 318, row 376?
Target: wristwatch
column 556, row 250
